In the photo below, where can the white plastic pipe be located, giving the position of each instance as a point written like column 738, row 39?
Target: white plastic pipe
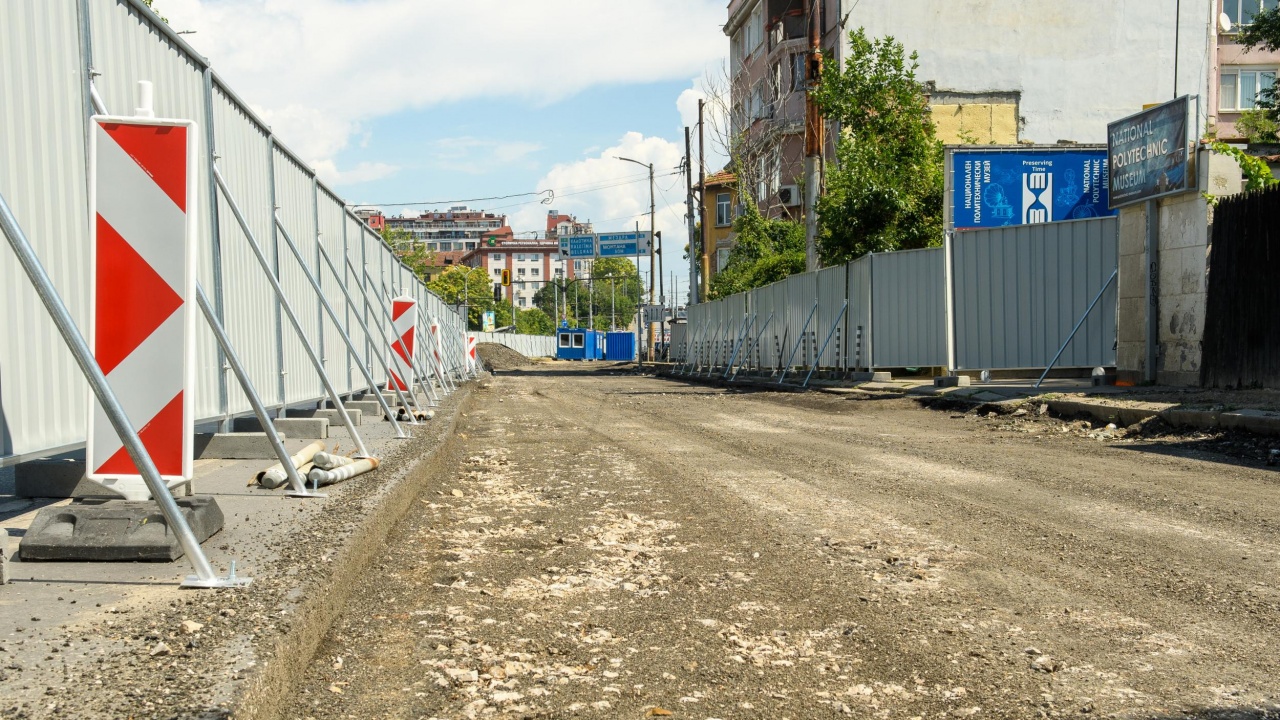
column 346, row 472
column 329, row 461
column 146, row 100
column 275, row 476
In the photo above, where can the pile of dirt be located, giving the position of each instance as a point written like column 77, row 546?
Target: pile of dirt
column 500, row 357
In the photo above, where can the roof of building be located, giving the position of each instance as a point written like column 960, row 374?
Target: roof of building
column 721, row 178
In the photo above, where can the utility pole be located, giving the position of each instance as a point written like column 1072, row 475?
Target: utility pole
column 691, row 218
column 813, row 140
column 651, row 257
column 591, row 299
column 705, row 257
column 613, row 306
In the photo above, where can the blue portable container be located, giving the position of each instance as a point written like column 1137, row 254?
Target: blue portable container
column 620, row 346
column 579, row 344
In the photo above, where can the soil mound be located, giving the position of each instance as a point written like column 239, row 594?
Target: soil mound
column 501, row 357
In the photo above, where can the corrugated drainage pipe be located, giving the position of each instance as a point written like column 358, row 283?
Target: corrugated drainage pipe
column 345, row 472
column 274, row 476
column 330, row 461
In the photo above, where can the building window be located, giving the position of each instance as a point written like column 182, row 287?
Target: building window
column 534, row 272
column 522, row 301
column 520, row 271
column 722, row 259
column 497, row 271
column 536, row 257
column 1239, row 89
column 723, row 210
column 1242, row 12
column 496, row 257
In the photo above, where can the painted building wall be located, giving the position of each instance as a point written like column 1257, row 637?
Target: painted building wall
column 1070, row 67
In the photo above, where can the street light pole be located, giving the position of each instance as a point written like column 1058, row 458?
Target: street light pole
column 652, row 260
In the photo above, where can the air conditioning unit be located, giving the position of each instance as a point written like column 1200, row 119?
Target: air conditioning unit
column 789, row 195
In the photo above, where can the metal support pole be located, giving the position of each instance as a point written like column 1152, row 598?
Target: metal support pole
column 324, row 255
column 800, row 339
column 817, row 358
column 293, row 319
column 755, row 343
column 737, row 346
column 711, row 348
column 205, row 576
column 324, row 304
column 1153, row 290
column 286, row 461
column 1114, row 273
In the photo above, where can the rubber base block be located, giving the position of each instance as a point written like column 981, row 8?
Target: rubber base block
column 115, row 530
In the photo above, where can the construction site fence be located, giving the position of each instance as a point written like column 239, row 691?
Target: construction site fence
column 994, row 299
column 533, row 346
column 61, row 62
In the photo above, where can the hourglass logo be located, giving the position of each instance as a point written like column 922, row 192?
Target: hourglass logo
column 1037, row 197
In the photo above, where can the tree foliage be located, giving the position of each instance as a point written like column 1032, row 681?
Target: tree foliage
column 764, row 252
column 472, row 286
column 885, row 192
column 1264, row 33
column 414, row 255
column 613, row 293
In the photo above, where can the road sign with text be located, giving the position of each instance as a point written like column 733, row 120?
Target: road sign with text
column 578, row 246
column 626, row 244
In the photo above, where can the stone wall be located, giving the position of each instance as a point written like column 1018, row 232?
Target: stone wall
column 1183, row 269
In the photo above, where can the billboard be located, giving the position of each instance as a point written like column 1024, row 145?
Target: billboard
column 1148, row 153
column 994, row 187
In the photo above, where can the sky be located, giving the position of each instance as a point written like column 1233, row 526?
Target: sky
column 448, row 101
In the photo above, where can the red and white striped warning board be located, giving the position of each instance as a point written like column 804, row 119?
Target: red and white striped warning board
column 143, row 237
column 437, row 346
column 471, row 351
column 404, row 329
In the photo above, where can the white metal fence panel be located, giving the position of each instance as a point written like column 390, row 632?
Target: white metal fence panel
column 858, row 341
column 330, row 216
column 832, row 320
column 244, row 150
column 295, row 189
column 44, row 401
column 909, row 308
column 802, row 320
column 679, row 342
column 1020, row 290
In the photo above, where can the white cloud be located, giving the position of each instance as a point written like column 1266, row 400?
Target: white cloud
column 361, row 173
column 476, row 156
column 316, row 70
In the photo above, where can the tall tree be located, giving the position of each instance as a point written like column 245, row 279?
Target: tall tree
column 416, row 256
column 461, row 284
column 764, row 252
column 612, row 294
column 885, row 192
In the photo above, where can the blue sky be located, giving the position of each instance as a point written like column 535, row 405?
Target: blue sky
column 411, row 100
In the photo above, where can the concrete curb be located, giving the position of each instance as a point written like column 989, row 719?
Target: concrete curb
column 1259, row 422
column 265, row 695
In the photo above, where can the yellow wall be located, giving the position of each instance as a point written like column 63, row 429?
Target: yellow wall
column 979, row 123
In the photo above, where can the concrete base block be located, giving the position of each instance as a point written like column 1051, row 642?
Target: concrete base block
column 952, row 381
column 56, row 479
column 1260, row 422
column 330, row 414
column 314, row 428
column 4, row 556
column 370, row 408
column 115, row 530
column 871, row 377
column 234, row 446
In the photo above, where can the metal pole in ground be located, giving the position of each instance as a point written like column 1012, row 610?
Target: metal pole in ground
column 364, row 369
column 755, row 343
column 1076, row 329
column 286, row 461
column 291, row 316
column 205, row 576
column 818, row 358
column 786, row 368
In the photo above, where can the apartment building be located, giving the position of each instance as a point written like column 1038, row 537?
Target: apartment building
column 559, row 224
column 532, row 263
column 458, row 228
column 1240, row 73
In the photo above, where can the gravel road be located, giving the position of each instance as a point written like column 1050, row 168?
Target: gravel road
column 622, row 546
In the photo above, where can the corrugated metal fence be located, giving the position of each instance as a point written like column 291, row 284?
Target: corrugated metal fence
column 54, row 56
column 527, row 345
column 991, row 299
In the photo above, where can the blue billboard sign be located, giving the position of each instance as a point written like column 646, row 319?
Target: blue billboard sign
column 624, row 244
column 1149, row 153
column 578, row 246
column 994, row 188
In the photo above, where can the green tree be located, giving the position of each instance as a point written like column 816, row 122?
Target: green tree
column 534, row 322
column 414, row 255
column 1264, row 33
column 885, row 192
column 473, row 286
column 614, row 291
column 764, row 252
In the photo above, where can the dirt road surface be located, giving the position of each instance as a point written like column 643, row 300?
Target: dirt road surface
column 622, row 546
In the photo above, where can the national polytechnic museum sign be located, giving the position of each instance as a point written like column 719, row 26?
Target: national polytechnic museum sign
column 1148, row 153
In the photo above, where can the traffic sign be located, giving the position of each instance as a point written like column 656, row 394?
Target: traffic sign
column 143, row 203
column 626, row 244
column 578, row 246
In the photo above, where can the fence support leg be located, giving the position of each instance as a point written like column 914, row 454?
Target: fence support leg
column 298, row 485
column 818, row 358
column 292, row 317
column 205, row 577
column 746, row 335
column 755, row 343
column 1076, row 329
column 786, row 368
column 351, row 348
column 413, row 358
